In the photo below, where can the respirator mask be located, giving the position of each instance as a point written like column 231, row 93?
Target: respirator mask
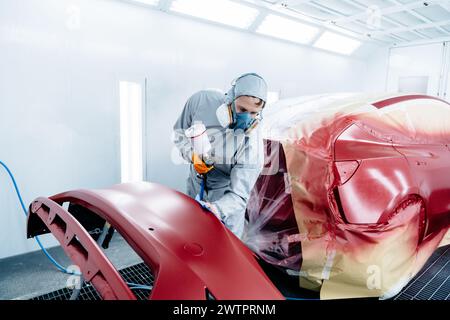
column 229, row 118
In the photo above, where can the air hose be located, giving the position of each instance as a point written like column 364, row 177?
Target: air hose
column 133, row 286
column 52, row 260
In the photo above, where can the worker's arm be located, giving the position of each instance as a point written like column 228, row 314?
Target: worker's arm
column 184, row 121
column 249, row 163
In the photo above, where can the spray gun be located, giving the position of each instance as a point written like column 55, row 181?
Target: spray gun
column 203, row 162
column 201, row 157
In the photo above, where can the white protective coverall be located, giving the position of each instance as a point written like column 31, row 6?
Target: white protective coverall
column 238, row 156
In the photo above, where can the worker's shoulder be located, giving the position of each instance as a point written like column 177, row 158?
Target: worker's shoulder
column 208, row 95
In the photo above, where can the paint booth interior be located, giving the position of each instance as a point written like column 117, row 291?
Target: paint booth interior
column 351, row 198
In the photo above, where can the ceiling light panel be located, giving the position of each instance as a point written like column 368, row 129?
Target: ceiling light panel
column 150, row 2
column 337, row 43
column 376, row 3
column 221, row 11
column 287, row 29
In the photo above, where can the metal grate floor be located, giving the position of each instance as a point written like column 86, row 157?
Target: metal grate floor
column 431, row 283
column 138, row 274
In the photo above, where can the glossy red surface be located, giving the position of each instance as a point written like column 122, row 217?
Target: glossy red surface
column 391, row 171
column 359, row 181
column 380, row 183
column 394, row 100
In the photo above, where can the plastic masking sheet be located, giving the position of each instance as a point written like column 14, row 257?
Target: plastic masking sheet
column 294, row 221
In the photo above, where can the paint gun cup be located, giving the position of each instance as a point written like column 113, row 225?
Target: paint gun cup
column 200, row 142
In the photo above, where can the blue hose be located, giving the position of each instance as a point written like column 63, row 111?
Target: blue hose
column 57, row 265
column 202, row 189
column 302, row 299
column 141, row 288
column 15, row 187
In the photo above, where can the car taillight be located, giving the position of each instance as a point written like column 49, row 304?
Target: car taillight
column 345, row 170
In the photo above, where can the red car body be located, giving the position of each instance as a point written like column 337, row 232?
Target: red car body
column 354, row 187
column 339, row 199
column 191, row 254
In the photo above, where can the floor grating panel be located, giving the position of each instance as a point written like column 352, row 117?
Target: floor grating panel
column 431, row 283
column 138, row 274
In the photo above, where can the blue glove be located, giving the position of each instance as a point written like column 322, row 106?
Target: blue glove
column 202, row 203
column 209, row 207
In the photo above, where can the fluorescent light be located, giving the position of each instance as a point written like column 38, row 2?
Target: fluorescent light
column 335, row 42
column 287, row 29
column 150, row 2
column 131, row 131
column 222, row 11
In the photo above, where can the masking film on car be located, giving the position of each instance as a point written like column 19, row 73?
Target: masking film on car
column 354, row 196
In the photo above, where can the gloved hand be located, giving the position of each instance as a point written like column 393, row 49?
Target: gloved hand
column 199, row 165
column 210, row 207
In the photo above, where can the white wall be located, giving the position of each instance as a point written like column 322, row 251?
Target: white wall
column 377, row 67
column 416, row 61
column 59, row 126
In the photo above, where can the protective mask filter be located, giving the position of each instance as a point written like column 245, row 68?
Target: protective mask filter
column 224, row 115
column 243, row 121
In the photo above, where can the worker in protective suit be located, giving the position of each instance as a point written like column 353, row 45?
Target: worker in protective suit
column 231, row 122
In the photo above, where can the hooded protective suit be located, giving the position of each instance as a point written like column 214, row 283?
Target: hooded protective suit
column 238, row 157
